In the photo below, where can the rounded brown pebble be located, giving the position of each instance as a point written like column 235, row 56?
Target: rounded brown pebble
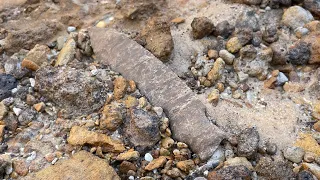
column 30, row 65
column 213, row 54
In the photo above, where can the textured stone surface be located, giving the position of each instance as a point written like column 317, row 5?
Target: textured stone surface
column 161, row 86
column 142, row 130
column 82, row 165
column 68, row 87
column 81, row 136
column 7, row 83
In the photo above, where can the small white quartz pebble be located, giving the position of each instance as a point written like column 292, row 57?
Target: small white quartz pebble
column 131, row 178
column 158, row 110
column 54, row 161
column 17, row 111
column 14, row 90
column 71, row 29
column 32, row 82
column 148, row 157
column 32, row 156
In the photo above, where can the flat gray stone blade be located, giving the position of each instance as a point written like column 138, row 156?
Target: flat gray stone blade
column 161, row 86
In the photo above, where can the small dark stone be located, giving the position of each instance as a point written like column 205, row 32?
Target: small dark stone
column 252, row 2
column 248, row 142
column 299, row 54
column 7, row 83
column 201, row 27
column 305, row 175
column 271, row 148
column 223, row 29
column 142, row 130
column 270, row 35
column 244, row 35
column 279, row 53
column 285, row 2
column 11, row 122
column 3, row 148
column 257, row 38
column 313, row 6
column 3, row 166
column 248, row 53
column 52, row 45
column 126, row 166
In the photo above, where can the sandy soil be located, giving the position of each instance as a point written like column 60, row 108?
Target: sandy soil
column 276, row 121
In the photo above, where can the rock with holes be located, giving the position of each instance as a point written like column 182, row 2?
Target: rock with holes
column 74, row 90
column 248, row 142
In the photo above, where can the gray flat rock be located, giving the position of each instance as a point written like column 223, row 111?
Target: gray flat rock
column 161, row 86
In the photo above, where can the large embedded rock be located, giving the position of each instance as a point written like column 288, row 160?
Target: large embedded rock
column 82, row 165
column 74, row 90
column 296, row 16
column 161, row 86
column 140, row 9
column 28, row 37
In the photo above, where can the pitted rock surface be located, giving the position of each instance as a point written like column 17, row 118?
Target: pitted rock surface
column 161, row 86
column 68, row 87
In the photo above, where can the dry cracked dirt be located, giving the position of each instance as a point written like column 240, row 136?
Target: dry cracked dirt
column 160, row 89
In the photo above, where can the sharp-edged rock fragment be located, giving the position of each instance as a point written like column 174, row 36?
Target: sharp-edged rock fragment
column 161, row 86
column 81, row 136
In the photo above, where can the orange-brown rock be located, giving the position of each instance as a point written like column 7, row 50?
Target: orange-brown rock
column 316, row 126
column 80, row 136
column 178, row 20
column 36, row 57
column 313, row 26
column 30, row 65
column 186, row 165
column 111, row 117
column 120, row 87
column 128, row 156
column 270, row 83
column 308, row 143
column 156, row 163
column 82, row 165
column 293, row 87
column 314, row 40
column 39, row 107
column 1, row 132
